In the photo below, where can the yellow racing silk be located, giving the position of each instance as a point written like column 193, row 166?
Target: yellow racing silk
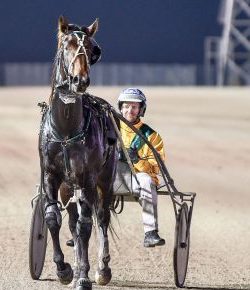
column 147, row 162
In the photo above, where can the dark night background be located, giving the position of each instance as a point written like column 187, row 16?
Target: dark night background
column 142, row 31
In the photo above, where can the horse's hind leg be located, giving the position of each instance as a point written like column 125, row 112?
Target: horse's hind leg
column 103, row 274
column 54, row 219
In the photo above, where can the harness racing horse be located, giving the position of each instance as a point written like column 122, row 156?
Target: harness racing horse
column 76, row 156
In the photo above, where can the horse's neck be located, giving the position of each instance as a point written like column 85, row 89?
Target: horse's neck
column 68, row 119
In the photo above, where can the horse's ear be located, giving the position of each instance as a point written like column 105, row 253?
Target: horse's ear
column 92, row 29
column 63, row 25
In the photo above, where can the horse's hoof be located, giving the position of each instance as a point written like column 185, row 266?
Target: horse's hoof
column 83, row 284
column 65, row 276
column 103, row 277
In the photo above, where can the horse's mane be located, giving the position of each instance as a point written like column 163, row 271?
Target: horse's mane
column 53, row 78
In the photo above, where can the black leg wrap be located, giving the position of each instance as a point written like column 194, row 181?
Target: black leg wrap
column 53, row 216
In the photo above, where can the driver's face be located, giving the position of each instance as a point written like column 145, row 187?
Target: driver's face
column 130, row 111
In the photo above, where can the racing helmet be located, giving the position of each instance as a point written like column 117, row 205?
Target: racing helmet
column 133, row 95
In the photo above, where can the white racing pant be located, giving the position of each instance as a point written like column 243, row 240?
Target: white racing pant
column 148, row 200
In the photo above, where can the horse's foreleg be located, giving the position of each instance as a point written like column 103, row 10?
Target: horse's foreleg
column 54, row 220
column 73, row 218
column 105, row 184
column 103, row 273
column 83, row 231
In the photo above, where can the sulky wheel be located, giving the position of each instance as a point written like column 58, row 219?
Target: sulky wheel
column 38, row 239
column 181, row 248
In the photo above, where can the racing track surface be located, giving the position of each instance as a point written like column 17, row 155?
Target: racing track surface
column 207, row 138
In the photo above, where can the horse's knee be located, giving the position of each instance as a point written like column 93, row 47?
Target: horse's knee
column 53, row 217
column 84, row 227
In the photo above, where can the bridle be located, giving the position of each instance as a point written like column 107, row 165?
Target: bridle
column 81, row 50
column 80, row 36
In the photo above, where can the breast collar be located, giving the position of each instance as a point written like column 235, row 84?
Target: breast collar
column 54, row 135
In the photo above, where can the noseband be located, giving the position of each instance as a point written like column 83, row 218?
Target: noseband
column 81, row 50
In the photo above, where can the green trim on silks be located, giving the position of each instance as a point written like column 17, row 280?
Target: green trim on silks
column 137, row 143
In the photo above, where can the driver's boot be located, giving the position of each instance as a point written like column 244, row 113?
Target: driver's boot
column 152, row 239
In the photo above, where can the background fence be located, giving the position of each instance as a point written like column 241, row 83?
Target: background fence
column 108, row 74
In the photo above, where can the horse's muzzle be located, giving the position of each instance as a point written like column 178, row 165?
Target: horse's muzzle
column 80, row 84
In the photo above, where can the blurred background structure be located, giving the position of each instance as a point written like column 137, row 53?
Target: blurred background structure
column 227, row 57
column 160, row 42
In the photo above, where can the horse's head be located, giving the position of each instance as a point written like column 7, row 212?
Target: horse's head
column 77, row 50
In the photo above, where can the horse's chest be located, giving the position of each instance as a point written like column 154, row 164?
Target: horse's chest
column 78, row 155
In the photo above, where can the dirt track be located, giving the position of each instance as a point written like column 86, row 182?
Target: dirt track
column 207, row 138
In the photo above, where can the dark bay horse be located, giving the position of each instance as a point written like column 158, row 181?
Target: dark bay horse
column 76, row 155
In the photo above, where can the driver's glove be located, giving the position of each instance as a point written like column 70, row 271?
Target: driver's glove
column 121, row 156
column 133, row 155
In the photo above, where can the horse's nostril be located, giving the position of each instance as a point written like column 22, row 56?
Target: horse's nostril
column 76, row 80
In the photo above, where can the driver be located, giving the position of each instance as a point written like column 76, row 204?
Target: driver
column 132, row 105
